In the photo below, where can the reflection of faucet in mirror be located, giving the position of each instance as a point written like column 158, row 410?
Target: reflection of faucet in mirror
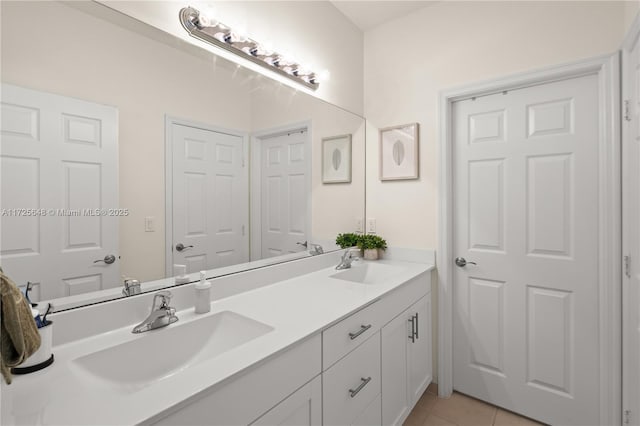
column 131, row 287
column 347, row 259
column 315, row 248
column 161, row 313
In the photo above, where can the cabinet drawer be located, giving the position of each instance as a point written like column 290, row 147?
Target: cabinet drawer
column 352, row 384
column 343, row 337
column 371, row 415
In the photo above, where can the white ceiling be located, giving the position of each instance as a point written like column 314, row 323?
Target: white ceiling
column 368, row 14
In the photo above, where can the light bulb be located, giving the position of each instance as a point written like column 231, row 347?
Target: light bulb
column 324, row 75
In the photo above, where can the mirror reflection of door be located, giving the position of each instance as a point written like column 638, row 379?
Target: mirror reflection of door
column 284, row 193
column 210, row 198
column 59, row 193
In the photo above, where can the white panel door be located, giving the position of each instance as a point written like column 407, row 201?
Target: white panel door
column 526, row 211
column 631, row 236
column 284, row 193
column 210, row 198
column 59, row 157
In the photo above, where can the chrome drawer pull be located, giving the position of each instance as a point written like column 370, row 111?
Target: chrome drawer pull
column 363, row 328
column 354, row 392
column 412, row 336
column 417, row 322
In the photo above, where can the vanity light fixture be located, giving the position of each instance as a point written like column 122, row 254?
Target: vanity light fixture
column 218, row 34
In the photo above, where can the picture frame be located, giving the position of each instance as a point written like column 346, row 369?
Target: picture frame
column 399, row 152
column 336, row 159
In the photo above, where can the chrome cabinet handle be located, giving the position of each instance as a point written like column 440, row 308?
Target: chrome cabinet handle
column 108, row 259
column 412, row 336
column 462, row 262
column 181, row 247
column 363, row 328
column 417, row 322
column 363, row 383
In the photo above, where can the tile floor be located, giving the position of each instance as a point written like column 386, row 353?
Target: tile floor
column 460, row 410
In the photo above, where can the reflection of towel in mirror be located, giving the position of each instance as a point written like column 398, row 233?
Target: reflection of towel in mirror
column 19, row 336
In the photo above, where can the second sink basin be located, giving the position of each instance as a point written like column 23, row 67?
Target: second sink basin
column 161, row 353
column 367, row 273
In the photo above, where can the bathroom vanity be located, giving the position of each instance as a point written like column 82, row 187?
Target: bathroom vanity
column 325, row 347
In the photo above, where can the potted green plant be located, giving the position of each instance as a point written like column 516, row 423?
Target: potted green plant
column 371, row 246
column 347, row 240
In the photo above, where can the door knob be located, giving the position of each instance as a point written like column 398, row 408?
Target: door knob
column 181, row 247
column 108, row 259
column 461, row 262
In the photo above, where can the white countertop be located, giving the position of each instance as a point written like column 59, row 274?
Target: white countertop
column 296, row 308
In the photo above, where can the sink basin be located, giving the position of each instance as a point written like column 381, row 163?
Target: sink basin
column 163, row 352
column 367, row 273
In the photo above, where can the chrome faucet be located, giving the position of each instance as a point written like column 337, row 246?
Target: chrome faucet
column 347, row 259
column 161, row 313
column 315, row 249
column 131, row 287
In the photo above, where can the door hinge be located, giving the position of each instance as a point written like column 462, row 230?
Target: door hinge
column 626, row 416
column 627, row 110
column 627, row 266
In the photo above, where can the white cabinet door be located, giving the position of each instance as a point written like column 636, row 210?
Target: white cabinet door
column 302, row 408
column 419, row 350
column 395, row 398
column 406, row 361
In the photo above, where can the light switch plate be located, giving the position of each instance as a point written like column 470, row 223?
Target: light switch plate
column 149, row 224
column 371, row 226
column 359, row 225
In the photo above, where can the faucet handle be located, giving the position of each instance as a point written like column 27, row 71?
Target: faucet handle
column 165, row 298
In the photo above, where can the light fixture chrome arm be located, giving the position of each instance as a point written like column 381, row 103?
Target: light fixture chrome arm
column 220, row 35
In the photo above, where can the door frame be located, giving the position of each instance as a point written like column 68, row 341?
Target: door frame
column 255, row 186
column 631, row 40
column 607, row 68
column 170, row 121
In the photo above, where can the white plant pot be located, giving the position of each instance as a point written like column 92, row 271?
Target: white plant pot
column 371, row 254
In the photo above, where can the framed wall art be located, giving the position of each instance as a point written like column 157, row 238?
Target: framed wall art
column 399, row 152
column 336, row 159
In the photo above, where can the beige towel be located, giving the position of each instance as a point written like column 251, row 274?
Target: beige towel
column 19, row 336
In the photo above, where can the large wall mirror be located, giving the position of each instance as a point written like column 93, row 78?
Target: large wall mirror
column 126, row 151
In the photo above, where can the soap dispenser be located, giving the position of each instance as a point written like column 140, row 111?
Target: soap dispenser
column 203, row 294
